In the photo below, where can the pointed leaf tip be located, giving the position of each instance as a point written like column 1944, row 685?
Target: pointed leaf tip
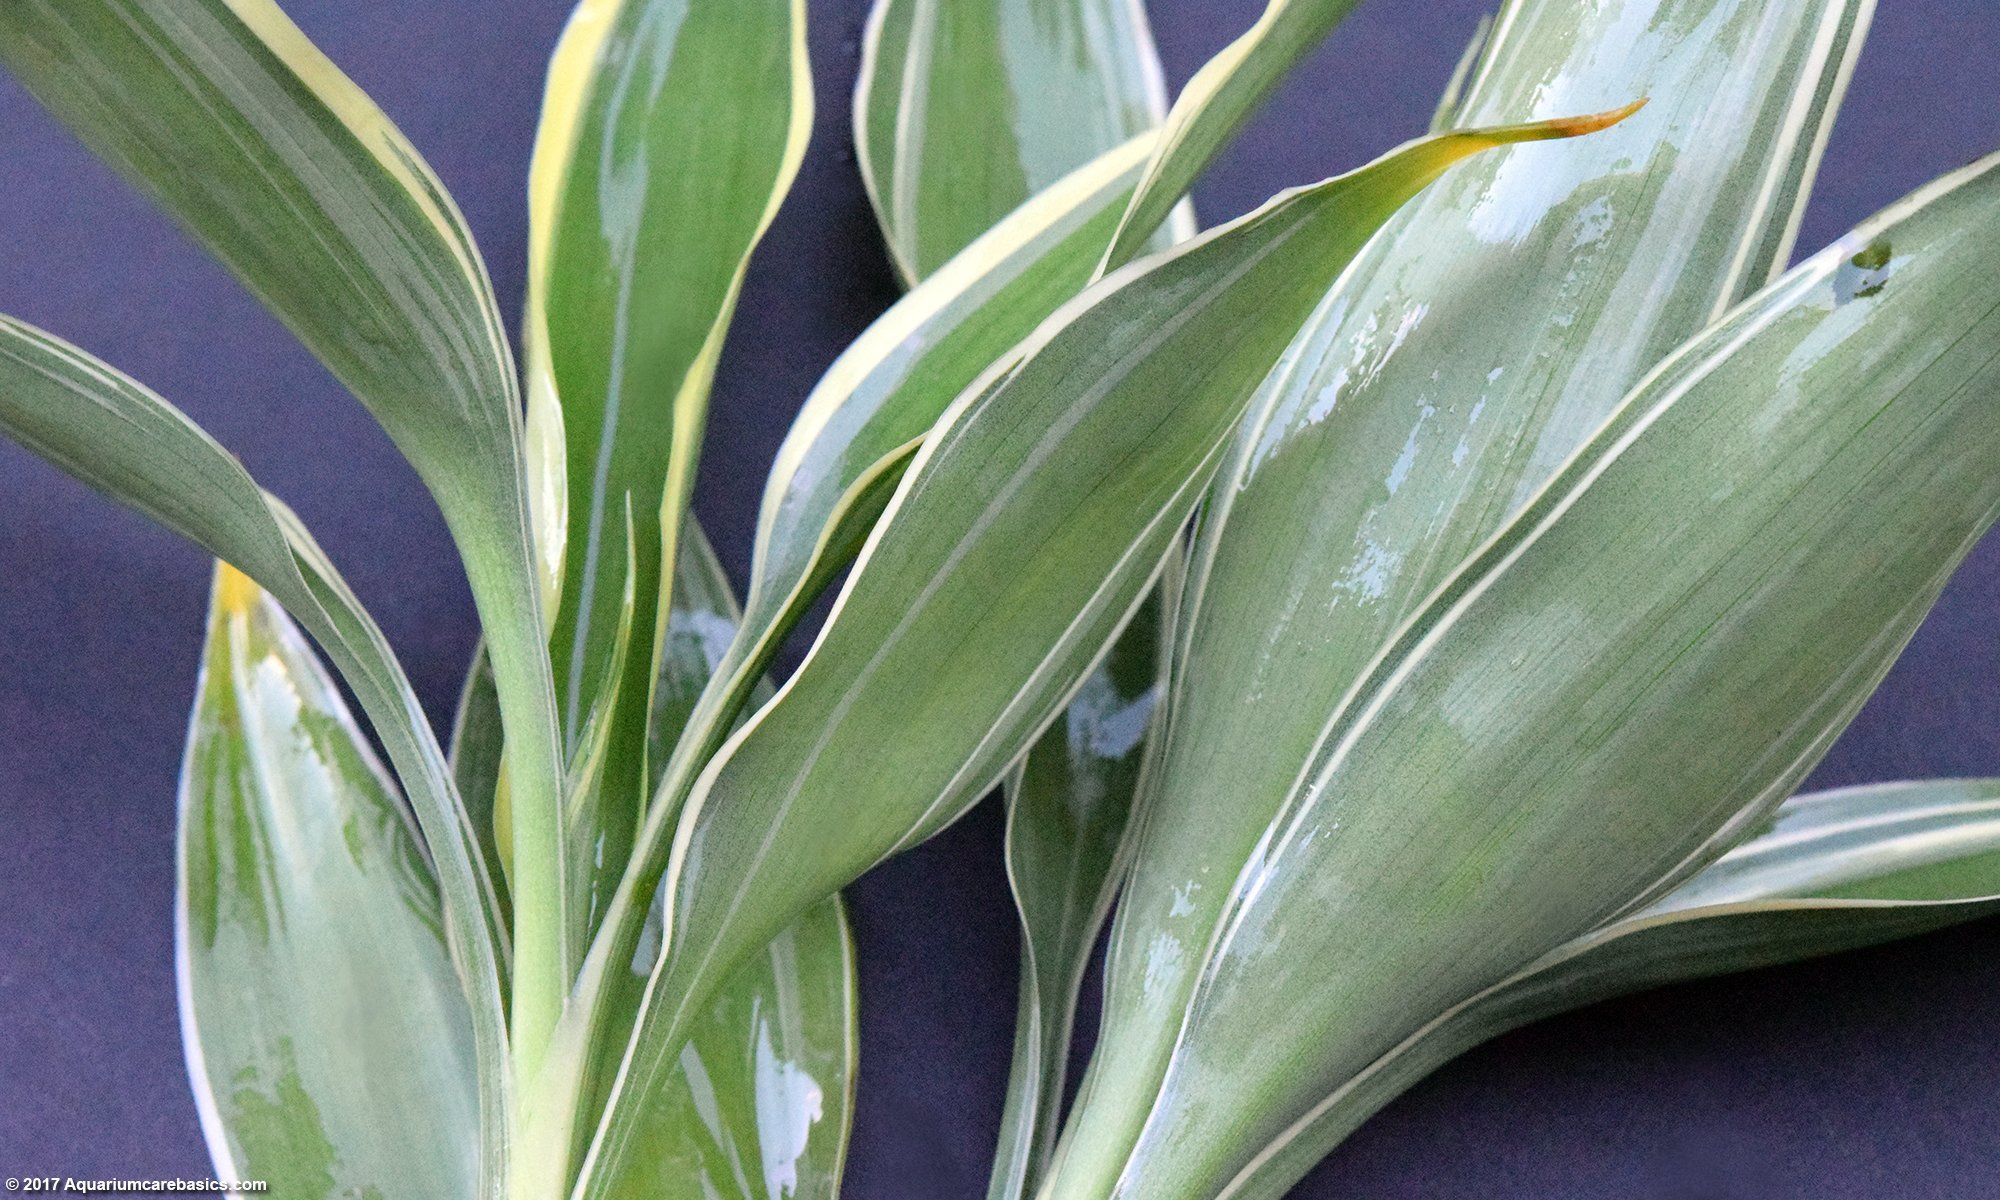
column 1561, row 127
column 1596, row 121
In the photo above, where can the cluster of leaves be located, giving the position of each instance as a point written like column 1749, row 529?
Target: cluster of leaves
column 1545, row 532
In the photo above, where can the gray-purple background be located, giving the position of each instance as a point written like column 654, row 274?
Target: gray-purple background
column 1873, row 1076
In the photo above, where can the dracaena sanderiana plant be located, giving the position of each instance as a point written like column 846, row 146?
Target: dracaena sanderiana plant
column 1416, row 600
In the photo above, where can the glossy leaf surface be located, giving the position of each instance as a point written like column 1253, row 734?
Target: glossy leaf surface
column 843, row 463
column 701, row 625
column 761, row 1101
column 846, row 451
column 951, row 120
column 113, row 434
column 328, row 1042
column 1473, row 346
column 1222, row 95
column 1829, row 872
column 1069, row 812
column 228, row 116
column 1023, row 536
column 670, row 133
column 855, row 435
column 966, row 108
column 1706, row 593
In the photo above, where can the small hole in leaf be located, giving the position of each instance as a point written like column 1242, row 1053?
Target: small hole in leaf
column 1864, row 274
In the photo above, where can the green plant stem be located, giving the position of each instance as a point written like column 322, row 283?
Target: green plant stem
column 499, row 565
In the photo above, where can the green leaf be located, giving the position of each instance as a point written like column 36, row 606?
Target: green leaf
column 1448, row 106
column 1069, row 811
column 763, row 1093
column 864, row 421
column 1021, row 539
column 1829, row 872
column 960, row 115
column 1220, row 97
column 671, row 130
column 702, row 621
column 317, row 997
column 125, row 441
column 761, row 1103
column 701, row 626
column 1706, row 594
column 1481, row 338
column 237, row 125
column 478, row 747
column 957, row 124
column 966, row 108
column 590, row 799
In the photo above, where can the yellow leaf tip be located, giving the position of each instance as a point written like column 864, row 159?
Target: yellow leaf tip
column 1576, row 126
column 235, row 593
column 1549, row 129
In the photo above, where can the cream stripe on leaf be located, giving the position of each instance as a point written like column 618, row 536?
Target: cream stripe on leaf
column 1382, row 450
column 835, row 472
column 1707, row 592
column 671, row 132
column 1828, row 872
column 962, row 111
column 318, row 1000
column 228, row 116
column 966, row 108
column 1021, row 539
column 764, row 1091
column 127, row 442
column 1222, row 95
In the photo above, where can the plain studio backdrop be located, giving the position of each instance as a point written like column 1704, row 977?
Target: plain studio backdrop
column 1873, row 1075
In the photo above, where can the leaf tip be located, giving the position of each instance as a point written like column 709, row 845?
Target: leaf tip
column 1591, row 123
column 1467, row 141
column 235, row 593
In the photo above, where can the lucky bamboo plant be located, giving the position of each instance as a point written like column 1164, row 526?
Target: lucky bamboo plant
column 1415, row 601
